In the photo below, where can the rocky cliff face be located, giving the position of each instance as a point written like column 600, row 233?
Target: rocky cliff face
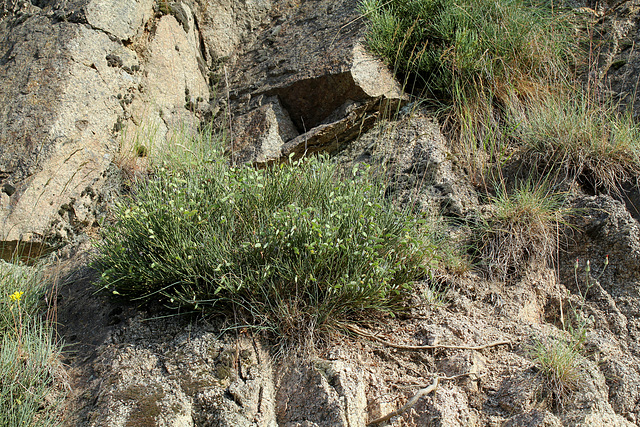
column 87, row 82
column 82, row 83
column 75, row 77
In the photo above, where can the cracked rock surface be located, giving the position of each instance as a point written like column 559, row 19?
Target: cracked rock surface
column 73, row 75
column 83, row 81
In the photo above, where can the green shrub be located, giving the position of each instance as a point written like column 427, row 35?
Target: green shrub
column 578, row 139
column 474, row 55
column 290, row 246
column 521, row 229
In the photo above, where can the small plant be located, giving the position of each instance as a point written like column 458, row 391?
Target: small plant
column 577, row 328
column 559, row 362
column 164, row 6
column 435, row 295
column 146, row 147
column 28, row 354
column 520, row 230
column 28, row 377
column 579, row 139
column 291, row 247
column 587, row 273
column 461, row 48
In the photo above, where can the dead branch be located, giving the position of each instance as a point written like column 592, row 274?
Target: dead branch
column 422, row 392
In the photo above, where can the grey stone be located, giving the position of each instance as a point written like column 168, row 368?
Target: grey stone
column 315, row 63
column 521, row 392
column 260, row 134
column 590, row 406
column 421, row 171
column 606, row 230
column 618, row 63
column 449, row 406
column 227, row 26
column 173, row 85
column 330, row 137
column 623, row 379
column 55, row 138
column 122, row 19
column 153, row 373
column 320, row 393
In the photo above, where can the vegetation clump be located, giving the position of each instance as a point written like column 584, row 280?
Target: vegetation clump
column 521, row 229
column 291, row 246
column 559, row 364
column 28, row 351
column 575, row 138
column 474, row 56
column 503, row 70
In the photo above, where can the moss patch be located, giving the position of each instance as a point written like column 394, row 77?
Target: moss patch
column 146, row 409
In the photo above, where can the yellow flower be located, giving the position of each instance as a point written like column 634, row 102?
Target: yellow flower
column 16, row 296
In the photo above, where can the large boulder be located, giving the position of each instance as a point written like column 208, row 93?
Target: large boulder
column 74, row 76
column 187, row 378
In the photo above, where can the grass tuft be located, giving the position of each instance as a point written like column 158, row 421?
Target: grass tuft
column 291, row 247
column 28, row 378
column 522, row 229
column 477, row 57
column 577, row 138
column 21, row 293
column 29, row 356
column 559, row 363
column 503, row 71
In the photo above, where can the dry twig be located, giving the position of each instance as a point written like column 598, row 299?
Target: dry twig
column 425, row 391
column 422, row 392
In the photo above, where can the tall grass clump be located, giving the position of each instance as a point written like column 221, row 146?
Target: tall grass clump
column 577, row 138
column 145, row 147
column 22, row 289
column 291, row 247
column 521, row 229
column 29, row 363
column 477, row 57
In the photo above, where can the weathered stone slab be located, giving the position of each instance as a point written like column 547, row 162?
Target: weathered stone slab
column 329, row 137
column 123, row 19
column 173, row 84
column 260, row 134
column 57, row 118
column 312, row 58
column 226, row 25
column 320, row 393
column 69, row 86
